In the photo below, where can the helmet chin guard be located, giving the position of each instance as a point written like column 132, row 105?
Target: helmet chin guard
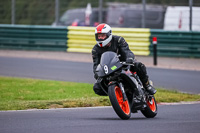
column 105, row 29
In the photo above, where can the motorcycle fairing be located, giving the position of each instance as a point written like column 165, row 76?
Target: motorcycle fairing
column 128, row 77
column 108, row 65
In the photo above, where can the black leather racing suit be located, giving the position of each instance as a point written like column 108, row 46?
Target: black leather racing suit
column 119, row 46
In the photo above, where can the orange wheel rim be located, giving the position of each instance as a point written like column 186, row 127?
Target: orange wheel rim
column 124, row 105
column 152, row 105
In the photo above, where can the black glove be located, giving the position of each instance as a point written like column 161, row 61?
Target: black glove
column 130, row 60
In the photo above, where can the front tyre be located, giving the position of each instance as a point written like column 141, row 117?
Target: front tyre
column 151, row 110
column 122, row 108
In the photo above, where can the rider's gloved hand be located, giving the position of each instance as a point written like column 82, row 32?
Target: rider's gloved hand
column 130, row 60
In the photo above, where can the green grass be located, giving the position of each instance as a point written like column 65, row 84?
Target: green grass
column 19, row 93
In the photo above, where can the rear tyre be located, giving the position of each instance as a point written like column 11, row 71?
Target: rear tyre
column 122, row 108
column 151, row 110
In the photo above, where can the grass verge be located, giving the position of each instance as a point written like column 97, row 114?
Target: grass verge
column 21, row 93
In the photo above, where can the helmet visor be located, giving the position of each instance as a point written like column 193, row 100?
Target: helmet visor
column 99, row 38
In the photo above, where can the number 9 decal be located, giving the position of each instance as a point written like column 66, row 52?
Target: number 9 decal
column 106, row 69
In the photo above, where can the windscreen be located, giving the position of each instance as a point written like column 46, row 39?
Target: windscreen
column 107, row 57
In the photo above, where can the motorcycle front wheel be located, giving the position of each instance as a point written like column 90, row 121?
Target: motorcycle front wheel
column 151, row 110
column 122, row 108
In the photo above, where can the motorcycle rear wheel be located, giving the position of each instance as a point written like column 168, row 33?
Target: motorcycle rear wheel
column 151, row 110
column 122, row 108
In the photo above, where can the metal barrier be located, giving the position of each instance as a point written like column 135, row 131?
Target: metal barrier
column 82, row 39
column 176, row 43
column 33, row 37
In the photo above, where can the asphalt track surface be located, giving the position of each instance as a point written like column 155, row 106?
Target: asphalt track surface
column 180, row 118
column 182, row 80
column 170, row 119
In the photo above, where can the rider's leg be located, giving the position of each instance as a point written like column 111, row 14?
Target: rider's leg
column 142, row 73
column 97, row 89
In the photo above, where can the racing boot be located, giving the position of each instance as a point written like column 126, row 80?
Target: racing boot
column 149, row 87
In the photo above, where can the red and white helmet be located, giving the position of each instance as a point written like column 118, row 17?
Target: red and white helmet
column 103, row 28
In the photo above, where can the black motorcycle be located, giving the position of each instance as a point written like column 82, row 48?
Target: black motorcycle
column 124, row 88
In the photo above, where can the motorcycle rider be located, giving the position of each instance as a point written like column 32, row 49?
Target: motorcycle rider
column 108, row 42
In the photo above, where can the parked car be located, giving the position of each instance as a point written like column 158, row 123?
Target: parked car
column 131, row 16
column 76, row 17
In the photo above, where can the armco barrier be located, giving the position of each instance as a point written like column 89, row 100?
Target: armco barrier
column 176, row 43
column 82, row 39
column 33, row 37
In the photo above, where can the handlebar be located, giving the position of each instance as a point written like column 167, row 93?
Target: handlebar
column 125, row 63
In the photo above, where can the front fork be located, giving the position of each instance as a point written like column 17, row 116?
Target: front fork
column 123, row 91
column 121, row 86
